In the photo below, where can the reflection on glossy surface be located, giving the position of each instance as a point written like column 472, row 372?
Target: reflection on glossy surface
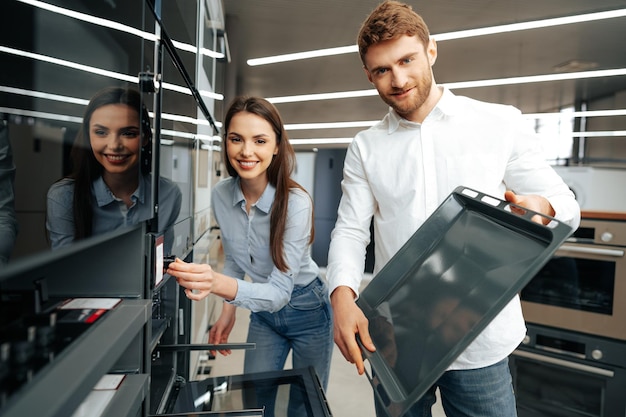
column 8, row 222
column 444, row 286
column 57, row 54
column 240, row 392
column 54, row 63
column 445, row 295
column 109, row 186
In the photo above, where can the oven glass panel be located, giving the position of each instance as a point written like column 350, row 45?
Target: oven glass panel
column 575, row 283
column 543, row 390
column 278, row 393
column 269, row 394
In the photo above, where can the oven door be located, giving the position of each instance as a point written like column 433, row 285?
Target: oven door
column 288, row 392
column 580, row 289
column 549, row 386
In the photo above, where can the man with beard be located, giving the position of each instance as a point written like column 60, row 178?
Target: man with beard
column 400, row 170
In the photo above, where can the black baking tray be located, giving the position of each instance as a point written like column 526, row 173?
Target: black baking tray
column 445, row 285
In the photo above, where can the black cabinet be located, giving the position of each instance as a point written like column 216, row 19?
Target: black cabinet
column 115, row 344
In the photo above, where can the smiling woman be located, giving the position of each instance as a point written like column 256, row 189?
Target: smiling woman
column 110, row 183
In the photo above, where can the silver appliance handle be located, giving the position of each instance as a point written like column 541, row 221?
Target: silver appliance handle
column 595, row 251
column 564, row 363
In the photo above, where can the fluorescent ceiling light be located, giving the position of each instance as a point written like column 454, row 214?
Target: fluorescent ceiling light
column 588, row 113
column 214, row 148
column 598, row 134
column 459, row 85
column 588, row 17
column 73, row 119
column 320, row 141
column 303, row 55
column 342, row 141
column 537, row 78
column 322, row 96
column 84, row 102
column 536, row 24
column 69, row 64
column 185, row 135
column 99, row 71
column 191, row 48
column 42, row 95
column 90, row 19
column 337, row 125
column 186, row 119
column 368, row 123
column 41, row 115
column 117, row 26
column 212, row 95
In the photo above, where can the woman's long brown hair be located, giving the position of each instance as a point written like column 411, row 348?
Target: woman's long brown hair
column 86, row 169
column 278, row 173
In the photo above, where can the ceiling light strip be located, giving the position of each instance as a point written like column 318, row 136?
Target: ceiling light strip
column 321, row 141
column 41, row 115
column 185, row 135
column 599, row 134
column 340, row 50
column 536, row 24
column 203, row 51
column 491, row 30
column 342, row 141
column 537, row 78
column 322, row 96
column 84, row 102
column 459, row 85
column 334, row 125
column 100, row 71
column 368, row 123
column 78, row 120
column 572, row 114
column 90, row 19
column 42, row 95
column 117, row 26
column 69, row 64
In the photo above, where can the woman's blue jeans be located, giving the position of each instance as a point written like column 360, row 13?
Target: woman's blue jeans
column 304, row 327
column 483, row 392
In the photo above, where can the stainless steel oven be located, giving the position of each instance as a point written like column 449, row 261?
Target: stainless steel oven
column 583, row 286
column 573, row 360
column 559, row 373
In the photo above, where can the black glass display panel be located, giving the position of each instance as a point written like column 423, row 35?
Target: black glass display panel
column 277, row 393
column 542, row 389
column 239, row 413
column 574, row 283
column 444, row 286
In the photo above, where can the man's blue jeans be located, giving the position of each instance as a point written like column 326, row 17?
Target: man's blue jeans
column 303, row 326
column 483, row 392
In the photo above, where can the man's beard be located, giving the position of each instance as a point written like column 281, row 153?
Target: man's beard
column 419, row 94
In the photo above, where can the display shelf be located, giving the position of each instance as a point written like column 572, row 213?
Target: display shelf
column 81, row 364
column 130, row 396
column 159, row 326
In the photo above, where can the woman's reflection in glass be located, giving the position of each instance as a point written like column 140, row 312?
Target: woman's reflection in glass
column 109, row 186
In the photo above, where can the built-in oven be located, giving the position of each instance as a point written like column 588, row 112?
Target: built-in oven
column 572, row 362
column 560, row 373
column 583, row 286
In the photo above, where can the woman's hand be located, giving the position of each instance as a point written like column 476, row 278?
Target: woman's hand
column 223, row 326
column 197, row 279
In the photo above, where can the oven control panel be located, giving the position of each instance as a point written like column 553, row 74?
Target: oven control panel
column 569, row 344
column 600, row 232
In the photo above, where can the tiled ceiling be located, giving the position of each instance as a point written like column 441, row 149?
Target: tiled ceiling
column 273, row 27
